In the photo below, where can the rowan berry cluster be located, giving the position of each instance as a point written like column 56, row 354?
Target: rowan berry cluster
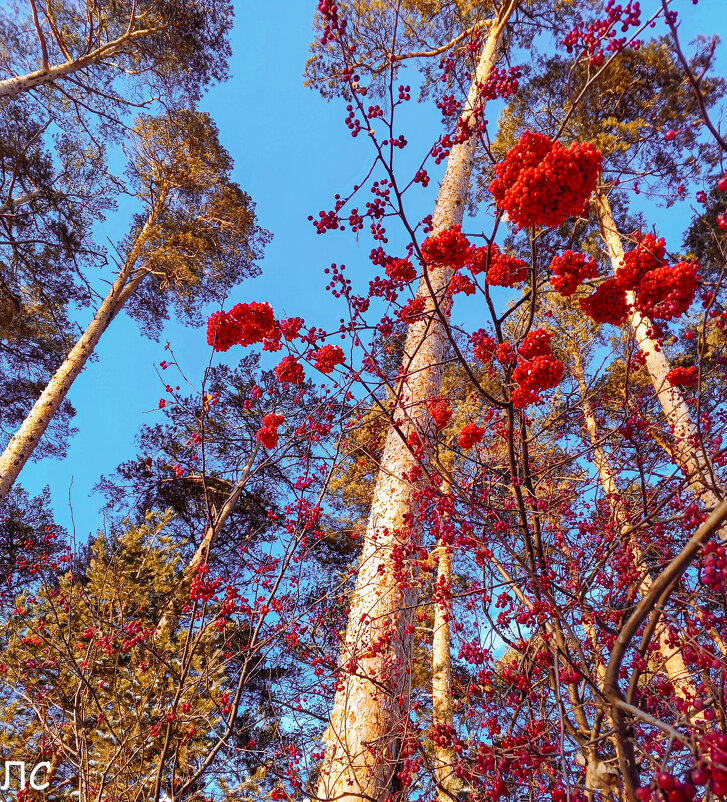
column 589, row 39
column 327, row 357
column 501, row 83
column 202, row 589
column 537, row 370
column 290, row 370
column 470, row 435
column 682, row 377
column 401, row 270
column 459, row 283
column 267, row 434
column 607, row 304
column 449, row 248
column 440, row 411
column 647, row 256
column 714, row 566
column 539, row 182
column 667, row 292
column 570, row 270
column 505, row 270
column 244, row 324
column 483, row 346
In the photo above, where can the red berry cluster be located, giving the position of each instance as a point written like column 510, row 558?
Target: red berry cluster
column 470, row 435
column 267, row 435
column 538, row 369
column 667, row 292
column 202, row 589
column 244, row 324
column 460, row 283
column 440, row 411
column 589, row 39
column 607, row 304
column 483, row 346
column 714, row 566
column 449, row 248
column 682, row 377
column 501, row 83
column 536, row 343
column 401, row 270
column 328, row 357
column 570, row 269
column 505, row 270
column 540, row 182
column 647, row 256
column 290, row 370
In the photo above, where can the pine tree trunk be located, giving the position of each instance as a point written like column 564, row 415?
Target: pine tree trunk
column 688, row 452
column 673, row 662
column 370, row 707
column 442, row 708
column 24, row 441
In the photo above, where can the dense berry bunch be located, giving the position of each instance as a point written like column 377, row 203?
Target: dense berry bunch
column 505, row 270
column 570, row 269
column 538, row 369
column 401, row 270
column 460, row 283
column 440, row 411
column 714, row 566
column 607, row 304
column 713, row 765
column 682, row 377
column 449, row 248
column 667, row 292
column 328, row 357
column 483, row 346
column 542, row 183
column 267, row 435
column 647, row 256
column 244, row 324
column 533, row 377
column 536, row 343
column 290, row 370
column 470, row 435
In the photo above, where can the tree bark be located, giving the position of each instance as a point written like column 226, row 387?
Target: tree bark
column 688, row 452
column 10, row 87
column 442, row 707
column 24, row 441
column 370, row 707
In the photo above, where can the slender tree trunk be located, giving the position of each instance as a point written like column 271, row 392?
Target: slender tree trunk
column 361, row 740
column 442, row 707
column 24, row 441
column 688, row 452
column 673, row 662
column 9, row 87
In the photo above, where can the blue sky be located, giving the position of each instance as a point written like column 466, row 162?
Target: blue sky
column 292, row 153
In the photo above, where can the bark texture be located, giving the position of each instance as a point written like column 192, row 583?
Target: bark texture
column 369, row 713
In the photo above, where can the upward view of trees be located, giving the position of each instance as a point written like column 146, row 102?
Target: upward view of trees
column 469, row 544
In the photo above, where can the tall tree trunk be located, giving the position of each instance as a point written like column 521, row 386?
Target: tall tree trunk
column 442, row 707
column 24, row 441
column 673, row 662
column 371, row 697
column 688, row 452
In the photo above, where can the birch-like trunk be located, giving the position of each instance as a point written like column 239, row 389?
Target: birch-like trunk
column 672, row 659
column 24, row 441
column 361, row 740
column 442, row 707
column 688, row 452
column 10, row 87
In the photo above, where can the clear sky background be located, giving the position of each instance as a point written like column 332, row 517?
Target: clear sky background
column 292, row 153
